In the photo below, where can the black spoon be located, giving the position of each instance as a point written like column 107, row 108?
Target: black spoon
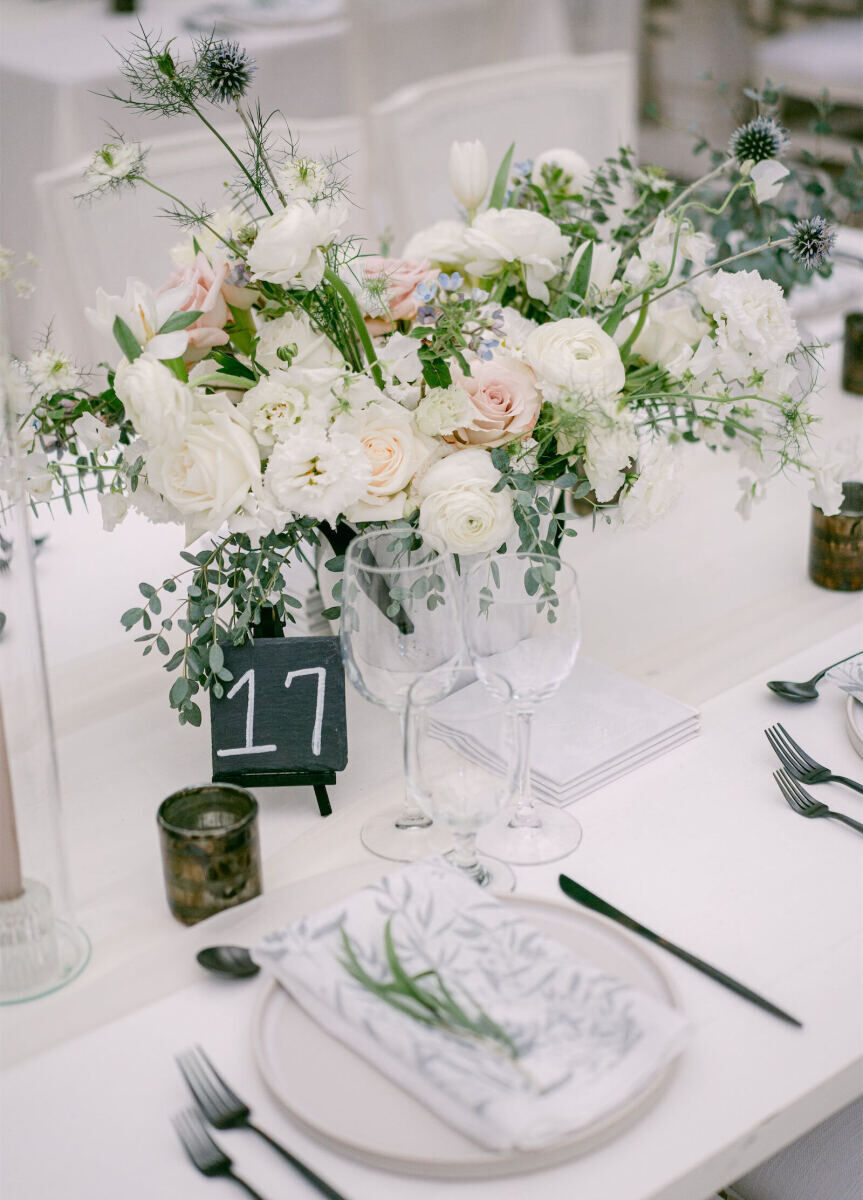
column 235, row 962
column 800, row 692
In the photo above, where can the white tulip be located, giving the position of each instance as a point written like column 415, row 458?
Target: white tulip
column 468, row 173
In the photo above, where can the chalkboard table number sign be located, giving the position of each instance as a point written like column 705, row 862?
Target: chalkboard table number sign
column 282, row 720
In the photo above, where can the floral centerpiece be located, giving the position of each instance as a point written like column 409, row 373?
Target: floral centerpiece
column 568, row 335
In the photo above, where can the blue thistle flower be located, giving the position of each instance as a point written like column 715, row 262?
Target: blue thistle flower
column 811, row 242
column 758, row 140
column 228, row 72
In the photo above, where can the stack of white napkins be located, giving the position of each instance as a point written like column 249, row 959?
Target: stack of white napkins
column 585, row 1041
column 598, row 726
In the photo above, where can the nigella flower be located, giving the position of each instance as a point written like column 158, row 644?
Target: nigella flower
column 811, row 242
column 228, row 71
column 759, row 139
column 114, row 164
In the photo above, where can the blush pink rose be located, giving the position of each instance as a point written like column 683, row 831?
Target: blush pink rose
column 504, row 399
column 402, row 277
column 205, row 284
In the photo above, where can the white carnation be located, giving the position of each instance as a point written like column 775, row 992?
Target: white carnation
column 290, row 245
column 755, row 329
column 316, row 474
column 273, row 407
column 500, row 237
column 442, row 410
column 458, row 506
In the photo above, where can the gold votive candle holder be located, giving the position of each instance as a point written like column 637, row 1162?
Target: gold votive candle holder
column 210, row 849
column 836, row 543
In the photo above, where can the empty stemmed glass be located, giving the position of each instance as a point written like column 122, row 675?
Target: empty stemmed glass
column 460, row 760
column 522, row 621
column 399, row 620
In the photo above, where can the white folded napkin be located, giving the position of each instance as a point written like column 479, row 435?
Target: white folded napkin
column 585, row 1040
column 597, row 726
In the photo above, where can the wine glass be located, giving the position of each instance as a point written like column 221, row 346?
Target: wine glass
column 460, row 760
column 522, row 621
column 399, row 620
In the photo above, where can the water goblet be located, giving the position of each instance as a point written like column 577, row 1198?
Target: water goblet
column 460, row 760
column 522, row 622
column 399, row 620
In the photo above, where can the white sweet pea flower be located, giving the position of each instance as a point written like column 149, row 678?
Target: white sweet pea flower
column 655, row 252
column 601, row 284
column 657, row 488
column 458, row 506
column 443, row 244
column 609, row 447
column 289, row 248
column 468, row 173
column 145, row 312
column 576, row 170
column 767, row 177
column 670, row 328
column 95, row 435
column 157, row 403
column 501, row 237
column 38, row 478
column 114, row 506
column 399, row 357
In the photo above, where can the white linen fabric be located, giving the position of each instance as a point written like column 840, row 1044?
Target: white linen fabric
column 598, row 726
column 585, row 1041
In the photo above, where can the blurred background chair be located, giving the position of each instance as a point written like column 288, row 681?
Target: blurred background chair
column 586, row 103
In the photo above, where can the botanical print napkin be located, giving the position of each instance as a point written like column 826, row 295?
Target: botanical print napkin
column 585, row 1040
column 849, row 677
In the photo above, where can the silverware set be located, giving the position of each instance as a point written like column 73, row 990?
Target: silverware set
column 222, row 1108
column 798, row 768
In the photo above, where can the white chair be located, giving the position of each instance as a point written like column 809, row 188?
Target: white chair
column 102, row 242
column 584, row 102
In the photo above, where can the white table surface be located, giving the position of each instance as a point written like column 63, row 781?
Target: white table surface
column 699, row 844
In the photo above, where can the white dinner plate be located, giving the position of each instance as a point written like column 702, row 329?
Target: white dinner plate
column 854, row 723
column 339, row 1098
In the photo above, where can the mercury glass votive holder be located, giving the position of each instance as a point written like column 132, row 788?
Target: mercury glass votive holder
column 836, row 544
column 210, row 849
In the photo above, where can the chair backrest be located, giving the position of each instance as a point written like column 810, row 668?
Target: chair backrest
column 586, row 103
column 103, row 242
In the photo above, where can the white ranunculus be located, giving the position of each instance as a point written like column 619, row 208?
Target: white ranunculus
column 144, row 311
column 316, row 474
column 755, row 329
column 458, row 506
column 443, row 244
column 95, row 435
column 468, row 173
column 670, row 327
column 114, row 506
column 313, row 349
column 442, row 410
column 575, row 168
column 155, row 401
column 767, row 177
column 290, row 245
column 207, row 473
column 575, row 357
column 500, row 237
column 395, row 452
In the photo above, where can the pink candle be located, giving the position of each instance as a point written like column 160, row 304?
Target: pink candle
column 10, row 859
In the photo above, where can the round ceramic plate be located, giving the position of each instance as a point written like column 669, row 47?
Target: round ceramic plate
column 854, row 723
column 339, row 1098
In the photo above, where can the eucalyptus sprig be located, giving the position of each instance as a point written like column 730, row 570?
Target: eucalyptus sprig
column 426, row 998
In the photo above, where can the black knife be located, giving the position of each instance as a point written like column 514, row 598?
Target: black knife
column 582, row 896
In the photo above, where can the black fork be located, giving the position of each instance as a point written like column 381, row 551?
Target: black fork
column 224, row 1109
column 799, row 764
column 208, row 1157
column 807, row 806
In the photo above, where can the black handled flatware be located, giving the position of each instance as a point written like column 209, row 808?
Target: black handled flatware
column 207, row 1156
column 224, row 1109
column 807, row 806
column 801, row 692
column 582, row 896
column 800, row 765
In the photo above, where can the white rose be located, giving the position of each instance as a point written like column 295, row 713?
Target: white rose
column 289, row 248
column 444, row 244
column 394, row 451
column 313, row 349
column 510, row 235
column 316, row 474
column 114, row 506
column 207, row 473
column 457, row 504
column 442, row 410
column 468, row 173
column 157, row 403
column 576, row 170
column 576, row 357
column 95, row 435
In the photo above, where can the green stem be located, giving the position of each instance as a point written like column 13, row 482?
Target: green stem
column 235, row 157
column 637, row 327
column 715, row 267
column 259, row 143
column 359, row 324
column 176, row 199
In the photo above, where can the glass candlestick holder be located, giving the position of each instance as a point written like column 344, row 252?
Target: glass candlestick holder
column 41, row 945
